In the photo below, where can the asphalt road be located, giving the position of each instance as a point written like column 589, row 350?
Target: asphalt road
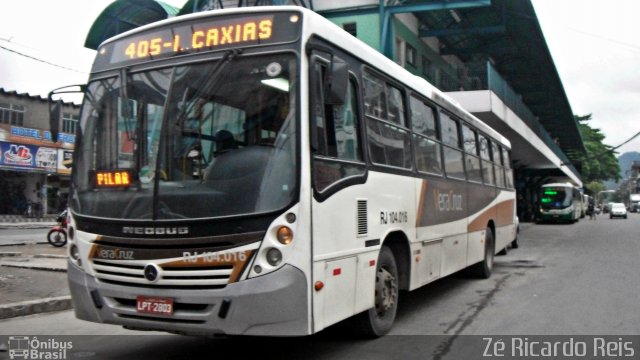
column 569, row 280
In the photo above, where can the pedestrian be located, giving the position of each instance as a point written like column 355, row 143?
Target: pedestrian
column 591, row 211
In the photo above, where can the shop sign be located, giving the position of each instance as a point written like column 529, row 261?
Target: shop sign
column 65, row 158
column 34, row 136
column 28, row 156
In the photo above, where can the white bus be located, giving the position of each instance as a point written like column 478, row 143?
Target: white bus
column 259, row 171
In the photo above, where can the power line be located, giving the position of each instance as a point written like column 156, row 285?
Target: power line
column 611, row 149
column 632, row 46
column 631, row 138
column 42, row 61
column 10, row 41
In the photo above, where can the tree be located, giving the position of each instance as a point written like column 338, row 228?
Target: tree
column 600, row 162
column 594, row 187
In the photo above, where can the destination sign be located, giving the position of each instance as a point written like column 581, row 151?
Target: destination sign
column 203, row 34
column 112, row 178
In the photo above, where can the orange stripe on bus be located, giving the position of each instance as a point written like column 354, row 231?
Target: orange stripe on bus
column 501, row 214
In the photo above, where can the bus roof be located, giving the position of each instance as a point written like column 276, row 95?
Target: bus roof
column 320, row 26
column 559, row 185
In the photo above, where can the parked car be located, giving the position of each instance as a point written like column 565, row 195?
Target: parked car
column 618, row 210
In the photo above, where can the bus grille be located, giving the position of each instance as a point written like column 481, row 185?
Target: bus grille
column 170, row 277
column 209, row 268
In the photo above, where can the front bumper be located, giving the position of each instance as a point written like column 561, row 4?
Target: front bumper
column 275, row 304
column 555, row 217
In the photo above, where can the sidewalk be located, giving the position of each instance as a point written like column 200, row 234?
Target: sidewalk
column 33, row 280
column 14, row 221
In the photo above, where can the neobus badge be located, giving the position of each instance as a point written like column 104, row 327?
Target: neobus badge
column 138, row 230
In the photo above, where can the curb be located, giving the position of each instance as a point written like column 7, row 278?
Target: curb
column 25, row 243
column 31, row 307
column 28, row 226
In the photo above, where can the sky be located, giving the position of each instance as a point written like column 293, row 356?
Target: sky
column 594, row 44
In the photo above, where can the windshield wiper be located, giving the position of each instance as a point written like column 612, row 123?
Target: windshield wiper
column 208, row 85
column 126, row 110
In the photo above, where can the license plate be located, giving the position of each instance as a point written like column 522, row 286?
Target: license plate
column 154, row 305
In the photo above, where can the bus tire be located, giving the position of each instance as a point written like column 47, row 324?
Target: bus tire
column 482, row 270
column 514, row 243
column 378, row 320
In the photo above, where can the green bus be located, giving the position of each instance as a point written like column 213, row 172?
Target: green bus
column 559, row 202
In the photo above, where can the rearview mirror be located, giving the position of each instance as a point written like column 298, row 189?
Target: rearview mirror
column 55, row 108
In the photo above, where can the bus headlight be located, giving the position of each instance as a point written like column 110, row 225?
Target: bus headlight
column 278, row 246
column 274, row 257
column 285, row 235
column 74, row 254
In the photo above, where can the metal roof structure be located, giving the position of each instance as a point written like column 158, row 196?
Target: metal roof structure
column 192, row 6
column 506, row 33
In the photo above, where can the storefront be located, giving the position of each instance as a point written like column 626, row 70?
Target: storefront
column 34, row 171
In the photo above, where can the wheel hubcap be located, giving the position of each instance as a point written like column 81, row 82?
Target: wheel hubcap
column 386, row 291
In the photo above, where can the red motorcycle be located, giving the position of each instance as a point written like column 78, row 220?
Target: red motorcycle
column 57, row 236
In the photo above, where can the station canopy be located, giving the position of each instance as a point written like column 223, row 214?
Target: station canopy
column 508, row 34
column 125, row 15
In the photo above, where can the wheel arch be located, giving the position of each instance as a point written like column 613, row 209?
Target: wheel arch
column 398, row 242
column 492, row 226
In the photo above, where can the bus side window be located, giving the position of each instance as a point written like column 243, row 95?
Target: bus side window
column 375, row 98
column 507, row 169
column 487, row 166
column 453, row 162
column 497, row 159
column 427, row 147
column 396, row 106
column 472, row 161
column 338, row 154
column 388, row 139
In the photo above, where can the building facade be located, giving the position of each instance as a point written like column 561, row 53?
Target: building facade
column 34, row 170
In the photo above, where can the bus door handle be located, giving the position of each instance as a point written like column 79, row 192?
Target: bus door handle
column 432, row 241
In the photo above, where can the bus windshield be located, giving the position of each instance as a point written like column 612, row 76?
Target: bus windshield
column 194, row 141
column 556, row 198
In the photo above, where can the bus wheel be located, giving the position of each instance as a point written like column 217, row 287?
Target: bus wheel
column 482, row 270
column 378, row 320
column 515, row 244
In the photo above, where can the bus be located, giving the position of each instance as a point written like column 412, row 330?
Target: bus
column 259, row 171
column 559, row 202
